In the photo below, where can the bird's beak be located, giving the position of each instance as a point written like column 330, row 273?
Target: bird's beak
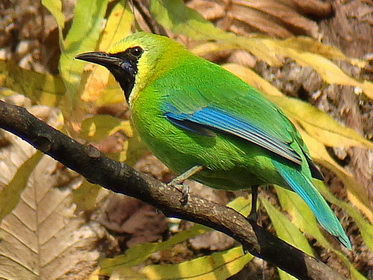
column 101, row 58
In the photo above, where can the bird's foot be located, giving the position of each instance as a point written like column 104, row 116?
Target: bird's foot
column 184, row 189
column 178, row 183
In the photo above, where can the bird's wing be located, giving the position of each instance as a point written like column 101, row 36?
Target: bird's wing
column 206, row 99
column 207, row 120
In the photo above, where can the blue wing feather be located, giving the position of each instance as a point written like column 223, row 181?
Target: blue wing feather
column 218, row 120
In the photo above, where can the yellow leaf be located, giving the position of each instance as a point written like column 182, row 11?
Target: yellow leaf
column 176, row 16
column 285, row 229
column 320, row 155
column 304, row 219
column 117, row 27
column 100, row 126
column 43, row 89
column 55, row 8
column 366, row 229
column 327, row 69
column 220, row 265
column 307, row 44
column 317, row 123
column 252, row 79
column 85, row 196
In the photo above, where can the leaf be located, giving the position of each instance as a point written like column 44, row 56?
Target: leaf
column 138, row 254
column 304, row 219
column 10, row 193
column 98, row 127
column 55, row 8
column 306, row 44
column 42, row 89
column 320, row 125
column 173, row 14
column 285, row 229
column 117, row 27
column 220, row 265
column 327, row 69
column 356, row 192
column 366, row 229
column 87, row 24
column 283, row 16
column 85, row 196
column 42, row 238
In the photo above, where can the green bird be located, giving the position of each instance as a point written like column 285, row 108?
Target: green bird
column 200, row 119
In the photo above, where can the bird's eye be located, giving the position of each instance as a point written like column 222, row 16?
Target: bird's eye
column 136, row 51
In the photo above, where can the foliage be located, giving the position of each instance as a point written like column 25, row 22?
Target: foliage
column 80, row 89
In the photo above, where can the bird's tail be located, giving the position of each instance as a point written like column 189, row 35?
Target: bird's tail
column 308, row 192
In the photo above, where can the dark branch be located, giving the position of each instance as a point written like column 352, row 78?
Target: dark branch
column 120, row 178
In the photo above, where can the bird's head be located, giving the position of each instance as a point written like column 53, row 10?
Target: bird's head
column 137, row 60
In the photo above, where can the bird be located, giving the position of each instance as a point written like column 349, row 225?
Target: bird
column 205, row 123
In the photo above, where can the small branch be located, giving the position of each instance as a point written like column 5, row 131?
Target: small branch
column 120, row 178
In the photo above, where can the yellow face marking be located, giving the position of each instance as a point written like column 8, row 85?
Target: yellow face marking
column 152, row 63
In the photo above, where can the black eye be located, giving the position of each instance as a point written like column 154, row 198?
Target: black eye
column 136, row 51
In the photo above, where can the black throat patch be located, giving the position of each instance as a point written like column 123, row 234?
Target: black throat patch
column 125, row 72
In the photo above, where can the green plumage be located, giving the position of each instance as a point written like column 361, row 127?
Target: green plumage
column 191, row 112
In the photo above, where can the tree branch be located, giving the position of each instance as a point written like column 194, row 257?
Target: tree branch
column 120, row 178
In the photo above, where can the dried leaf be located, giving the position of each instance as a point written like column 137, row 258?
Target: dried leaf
column 284, row 14
column 10, row 193
column 42, row 238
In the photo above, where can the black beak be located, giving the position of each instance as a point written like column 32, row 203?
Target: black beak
column 120, row 65
column 101, row 58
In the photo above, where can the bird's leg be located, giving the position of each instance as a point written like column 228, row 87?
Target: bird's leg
column 179, row 180
column 253, row 216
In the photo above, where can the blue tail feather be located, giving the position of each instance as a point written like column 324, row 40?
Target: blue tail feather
column 308, row 192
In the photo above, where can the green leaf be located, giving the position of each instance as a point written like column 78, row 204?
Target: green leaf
column 176, row 16
column 85, row 196
column 285, row 229
column 366, row 229
column 138, row 254
column 55, row 8
column 101, row 87
column 304, row 219
column 82, row 36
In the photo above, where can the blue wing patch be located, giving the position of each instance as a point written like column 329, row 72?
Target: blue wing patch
column 207, row 120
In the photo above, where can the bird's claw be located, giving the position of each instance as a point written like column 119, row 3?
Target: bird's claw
column 183, row 189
